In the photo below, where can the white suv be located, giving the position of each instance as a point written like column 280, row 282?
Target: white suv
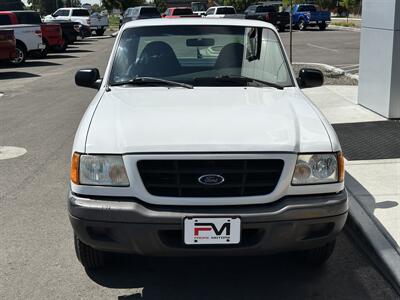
column 200, row 142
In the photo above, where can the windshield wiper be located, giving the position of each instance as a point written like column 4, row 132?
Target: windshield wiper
column 152, row 80
column 240, row 79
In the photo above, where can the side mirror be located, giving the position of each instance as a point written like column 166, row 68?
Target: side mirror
column 88, row 78
column 309, row 78
column 163, row 15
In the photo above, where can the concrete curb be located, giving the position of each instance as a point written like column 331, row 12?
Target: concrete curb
column 375, row 243
column 332, row 69
column 344, row 28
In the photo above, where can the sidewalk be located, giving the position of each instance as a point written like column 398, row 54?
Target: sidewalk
column 373, row 184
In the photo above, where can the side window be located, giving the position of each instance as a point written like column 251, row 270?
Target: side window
column 62, row 13
column 210, row 11
column 5, row 20
column 168, row 12
column 259, row 9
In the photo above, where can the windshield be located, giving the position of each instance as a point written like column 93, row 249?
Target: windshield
column 182, row 11
column 28, row 17
column 196, row 54
column 306, row 8
column 149, row 11
column 266, row 9
column 80, row 13
column 226, row 11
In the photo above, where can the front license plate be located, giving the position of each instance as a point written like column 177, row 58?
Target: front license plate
column 278, row 22
column 211, row 231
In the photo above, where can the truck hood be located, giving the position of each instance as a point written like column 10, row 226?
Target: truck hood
column 206, row 119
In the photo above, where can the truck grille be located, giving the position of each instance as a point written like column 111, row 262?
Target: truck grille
column 180, row 178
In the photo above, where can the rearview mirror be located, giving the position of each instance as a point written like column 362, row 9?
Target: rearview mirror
column 309, row 78
column 88, row 78
column 200, row 42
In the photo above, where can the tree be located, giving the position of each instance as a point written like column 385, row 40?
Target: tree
column 11, row 5
column 286, row 3
column 161, row 5
column 96, row 8
column 121, row 4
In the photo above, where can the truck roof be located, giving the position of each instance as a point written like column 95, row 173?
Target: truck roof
column 198, row 21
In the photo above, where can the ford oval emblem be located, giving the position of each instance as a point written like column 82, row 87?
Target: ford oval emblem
column 211, row 179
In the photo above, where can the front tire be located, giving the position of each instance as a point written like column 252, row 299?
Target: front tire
column 320, row 255
column 302, row 25
column 100, row 32
column 21, row 55
column 281, row 28
column 88, row 257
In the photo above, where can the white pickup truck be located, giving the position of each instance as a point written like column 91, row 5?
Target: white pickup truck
column 220, row 11
column 185, row 153
column 28, row 41
column 73, row 14
column 99, row 22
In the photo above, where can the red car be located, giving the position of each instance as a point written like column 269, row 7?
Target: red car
column 7, row 44
column 178, row 12
column 51, row 33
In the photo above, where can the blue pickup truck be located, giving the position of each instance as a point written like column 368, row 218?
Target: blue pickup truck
column 304, row 15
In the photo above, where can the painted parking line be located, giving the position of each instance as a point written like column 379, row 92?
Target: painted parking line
column 8, row 152
column 349, row 68
column 323, row 48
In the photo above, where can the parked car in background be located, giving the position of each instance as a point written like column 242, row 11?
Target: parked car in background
column 220, row 11
column 178, row 12
column 98, row 23
column 140, row 12
column 305, row 15
column 28, row 40
column 79, row 15
column 184, row 153
column 270, row 14
column 51, row 33
column 7, row 45
column 70, row 32
column 199, row 8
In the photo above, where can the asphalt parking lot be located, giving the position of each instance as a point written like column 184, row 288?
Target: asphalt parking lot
column 333, row 47
column 40, row 110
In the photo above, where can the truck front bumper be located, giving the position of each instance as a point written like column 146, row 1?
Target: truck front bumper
column 129, row 225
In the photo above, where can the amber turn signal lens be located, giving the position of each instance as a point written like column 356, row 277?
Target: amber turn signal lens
column 74, row 174
column 341, row 171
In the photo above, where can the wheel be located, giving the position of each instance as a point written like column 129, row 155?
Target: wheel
column 89, row 257
column 322, row 26
column 302, row 25
column 281, row 28
column 21, row 55
column 319, row 256
column 100, row 32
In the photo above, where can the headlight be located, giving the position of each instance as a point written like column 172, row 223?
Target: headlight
column 104, row 170
column 318, row 168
